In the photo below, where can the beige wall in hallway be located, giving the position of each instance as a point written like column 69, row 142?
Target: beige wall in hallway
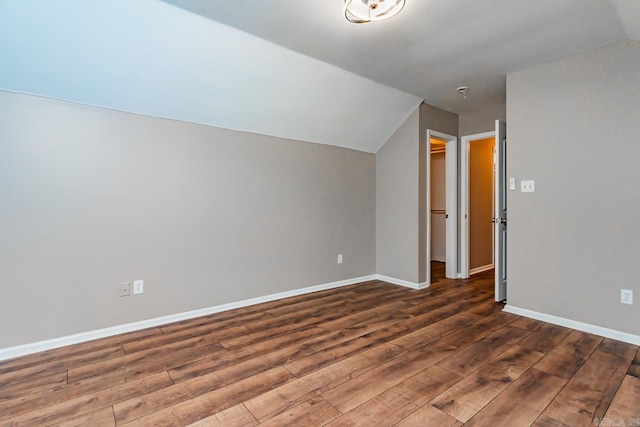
column 481, row 203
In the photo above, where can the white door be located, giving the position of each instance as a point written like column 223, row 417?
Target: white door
column 500, row 211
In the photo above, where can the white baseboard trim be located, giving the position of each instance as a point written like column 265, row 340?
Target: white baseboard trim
column 438, row 259
column 573, row 324
column 25, row 349
column 480, row 269
column 401, row 282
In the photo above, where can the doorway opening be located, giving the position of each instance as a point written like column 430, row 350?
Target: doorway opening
column 498, row 220
column 438, row 209
column 442, row 206
column 477, row 203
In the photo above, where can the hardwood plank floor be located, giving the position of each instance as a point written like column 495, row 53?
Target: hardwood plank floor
column 370, row 354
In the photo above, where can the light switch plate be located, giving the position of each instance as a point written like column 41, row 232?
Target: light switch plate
column 528, row 186
column 512, row 184
column 138, row 287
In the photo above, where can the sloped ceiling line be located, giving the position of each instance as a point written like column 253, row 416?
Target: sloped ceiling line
column 152, row 58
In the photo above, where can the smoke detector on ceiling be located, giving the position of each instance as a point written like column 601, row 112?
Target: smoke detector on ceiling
column 463, row 90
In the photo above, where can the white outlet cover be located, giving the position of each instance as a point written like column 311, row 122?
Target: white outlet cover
column 527, row 186
column 138, row 287
column 626, row 296
column 125, row 289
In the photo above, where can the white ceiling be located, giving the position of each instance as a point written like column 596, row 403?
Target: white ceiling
column 292, row 68
column 434, row 46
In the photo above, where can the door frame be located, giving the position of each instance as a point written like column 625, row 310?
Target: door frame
column 464, row 198
column 451, row 203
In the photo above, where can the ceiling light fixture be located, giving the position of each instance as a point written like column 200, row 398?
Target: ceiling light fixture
column 463, row 90
column 362, row 11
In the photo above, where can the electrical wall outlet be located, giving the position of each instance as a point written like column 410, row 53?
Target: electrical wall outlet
column 339, row 258
column 125, row 289
column 138, row 287
column 527, row 186
column 626, row 296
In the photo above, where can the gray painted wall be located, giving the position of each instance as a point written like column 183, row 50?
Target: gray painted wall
column 401, row 195
column 397, row 203
column 483, row 120
column 92, row 197
column 575, row 242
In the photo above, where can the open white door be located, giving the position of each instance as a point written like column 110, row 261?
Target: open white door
column 500, row 211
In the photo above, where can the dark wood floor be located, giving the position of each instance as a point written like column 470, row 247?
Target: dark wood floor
column 437, row 271
column 371, row 354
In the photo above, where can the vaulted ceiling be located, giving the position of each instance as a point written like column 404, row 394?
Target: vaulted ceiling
column 435, row 46
column 292, row 68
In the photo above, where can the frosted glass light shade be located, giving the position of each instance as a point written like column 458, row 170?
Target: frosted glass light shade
column 361, row 11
